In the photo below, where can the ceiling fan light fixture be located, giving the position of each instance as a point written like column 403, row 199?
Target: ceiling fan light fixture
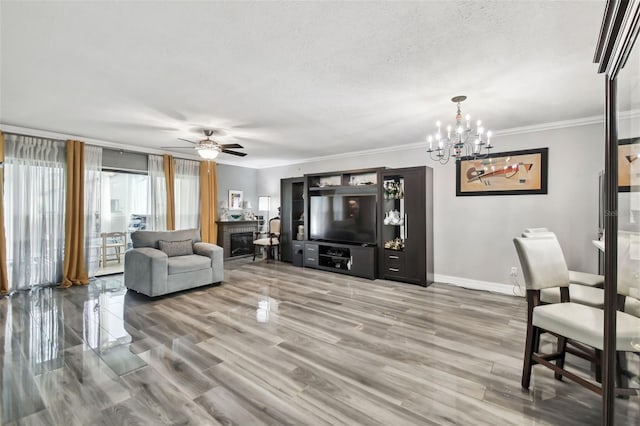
column 208, row 152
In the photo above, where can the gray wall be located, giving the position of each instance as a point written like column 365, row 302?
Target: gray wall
column 473, row 235
column 237, row 178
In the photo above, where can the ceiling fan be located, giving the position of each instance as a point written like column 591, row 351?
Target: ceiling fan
column 208, row 148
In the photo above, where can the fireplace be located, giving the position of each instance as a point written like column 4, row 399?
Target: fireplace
column 242, row 230
column 241, row 243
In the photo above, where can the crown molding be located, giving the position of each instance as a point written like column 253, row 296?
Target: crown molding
column 417, row 145
column 577, row 122
column 555, row 125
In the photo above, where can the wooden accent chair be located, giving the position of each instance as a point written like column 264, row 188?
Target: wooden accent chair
column 271, row 241
column 543, row 266
column 114, row 244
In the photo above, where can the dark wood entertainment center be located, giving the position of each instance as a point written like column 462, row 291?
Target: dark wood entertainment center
column 371, row 223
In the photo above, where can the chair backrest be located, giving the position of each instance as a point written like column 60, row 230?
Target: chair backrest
column 274, row 225
column 538, row 234
column 534, row 230
column 113, row 235
column 151, row 238
column 542, row 261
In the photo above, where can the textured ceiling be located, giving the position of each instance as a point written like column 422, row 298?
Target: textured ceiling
column 293, row 80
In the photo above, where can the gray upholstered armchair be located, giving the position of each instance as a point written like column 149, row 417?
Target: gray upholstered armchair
column 163, row 262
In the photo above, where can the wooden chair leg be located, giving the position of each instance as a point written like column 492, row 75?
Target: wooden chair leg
column 598, row 365
column 254, row 252
column 621, row 380
column 562, row 348
column 528, row 352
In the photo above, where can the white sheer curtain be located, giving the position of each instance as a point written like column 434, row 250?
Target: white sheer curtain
column 187, row 194
column 34, row 210
column 92, row 187
column 157, row 194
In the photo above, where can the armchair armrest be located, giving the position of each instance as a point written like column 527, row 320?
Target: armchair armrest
column 145, row 270
column 216, row 254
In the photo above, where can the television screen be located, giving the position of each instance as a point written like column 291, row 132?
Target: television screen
column 343, row 218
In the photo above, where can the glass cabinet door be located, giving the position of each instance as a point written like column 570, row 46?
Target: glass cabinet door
column 394, row 230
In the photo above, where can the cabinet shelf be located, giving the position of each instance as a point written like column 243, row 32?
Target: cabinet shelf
column 354, row 188
column 335, row 257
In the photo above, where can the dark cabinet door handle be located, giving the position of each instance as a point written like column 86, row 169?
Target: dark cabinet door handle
column 393, row 257
column 394, row 269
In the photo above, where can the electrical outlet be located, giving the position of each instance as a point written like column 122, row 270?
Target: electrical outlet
column 514, row 271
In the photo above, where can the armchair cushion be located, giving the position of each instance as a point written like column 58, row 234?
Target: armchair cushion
column 193, row 262
column 176, row 248
column 583, row 278
column 273, row 241
column 586, row 324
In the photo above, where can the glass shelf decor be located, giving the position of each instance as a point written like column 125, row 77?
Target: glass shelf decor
column 393, row 190
column 395, row 244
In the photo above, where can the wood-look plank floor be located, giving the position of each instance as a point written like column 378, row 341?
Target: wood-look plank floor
column 275, row 344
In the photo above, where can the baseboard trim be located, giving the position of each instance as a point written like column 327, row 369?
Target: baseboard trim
column 507, row 289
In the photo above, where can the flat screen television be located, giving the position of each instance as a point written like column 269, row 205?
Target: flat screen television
column 343, row 218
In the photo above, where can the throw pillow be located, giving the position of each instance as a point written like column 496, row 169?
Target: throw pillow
column 176, row 248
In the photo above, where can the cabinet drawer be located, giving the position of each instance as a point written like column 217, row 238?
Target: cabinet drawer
column 310, row 260
column 311, row 255
column 394, row 263
column 394, row 259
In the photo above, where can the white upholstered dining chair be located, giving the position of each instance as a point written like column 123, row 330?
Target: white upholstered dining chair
column 543, row 266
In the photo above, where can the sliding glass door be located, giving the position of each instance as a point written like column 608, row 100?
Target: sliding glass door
column 124, row 209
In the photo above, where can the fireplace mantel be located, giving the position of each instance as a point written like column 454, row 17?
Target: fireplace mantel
column 228, row 227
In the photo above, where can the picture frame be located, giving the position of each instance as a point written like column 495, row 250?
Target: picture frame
column 235, row 199
column 522, row 172
column 629, row 164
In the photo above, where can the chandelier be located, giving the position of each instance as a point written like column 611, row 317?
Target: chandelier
column 460, row 141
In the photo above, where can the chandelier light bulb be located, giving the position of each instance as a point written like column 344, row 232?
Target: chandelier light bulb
column 438, row 124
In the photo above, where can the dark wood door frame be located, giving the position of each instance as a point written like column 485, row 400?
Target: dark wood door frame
column 619, row 30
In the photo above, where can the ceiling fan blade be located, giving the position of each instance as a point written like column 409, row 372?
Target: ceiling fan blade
column 239, row 154
column 176, row 147
column 195, row 143
column 230, row 145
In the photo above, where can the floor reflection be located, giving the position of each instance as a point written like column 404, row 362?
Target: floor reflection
column 38, row 336
column 267, row 309
column 103, row 319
